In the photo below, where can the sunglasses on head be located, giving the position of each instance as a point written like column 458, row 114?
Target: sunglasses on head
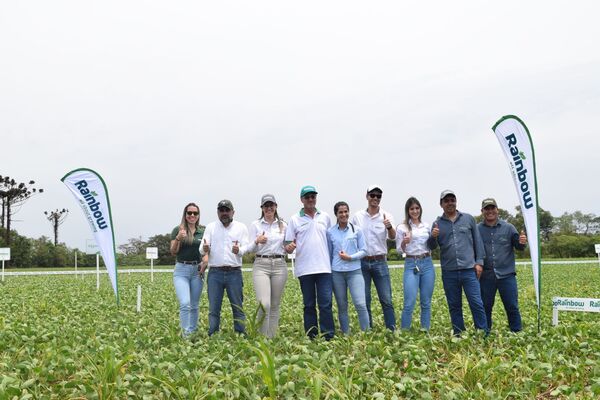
column 192, row 212
column 375, row 195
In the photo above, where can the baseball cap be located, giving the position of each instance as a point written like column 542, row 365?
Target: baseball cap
column 225, row 203
column 307, row 189
column 374, row 187
column 488, row 202
column 267, row 198
column 445, row 193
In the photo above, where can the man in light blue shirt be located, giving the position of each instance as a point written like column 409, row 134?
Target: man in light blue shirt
column 346, row 247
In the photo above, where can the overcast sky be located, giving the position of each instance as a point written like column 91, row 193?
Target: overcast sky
column 179, row 101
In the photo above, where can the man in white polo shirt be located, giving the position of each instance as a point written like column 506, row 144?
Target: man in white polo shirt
column 377, row 226
column 225, row 241
column 307, row 234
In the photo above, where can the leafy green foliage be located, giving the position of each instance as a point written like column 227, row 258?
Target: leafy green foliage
column 59, row 338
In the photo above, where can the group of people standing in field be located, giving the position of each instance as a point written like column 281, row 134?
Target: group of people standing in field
column 349, row 255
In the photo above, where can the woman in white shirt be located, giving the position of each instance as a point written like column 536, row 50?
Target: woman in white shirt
column 270, row 269
column 419, row 273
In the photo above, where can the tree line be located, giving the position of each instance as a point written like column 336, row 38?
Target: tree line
column 570, row 235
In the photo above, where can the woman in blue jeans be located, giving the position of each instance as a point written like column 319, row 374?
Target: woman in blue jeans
column 346, row 247
column 185, row 245
column 419, row 274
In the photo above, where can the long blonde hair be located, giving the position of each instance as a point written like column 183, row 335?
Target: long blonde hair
column 184, row 225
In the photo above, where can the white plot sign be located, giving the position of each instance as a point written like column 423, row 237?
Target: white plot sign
column 91, row 247
column 152, row 253
column 4, row 256
column 573, row 304
column 4, row 253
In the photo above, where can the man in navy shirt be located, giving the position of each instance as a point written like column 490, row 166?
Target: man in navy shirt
column 500, row 239
column 461, row 256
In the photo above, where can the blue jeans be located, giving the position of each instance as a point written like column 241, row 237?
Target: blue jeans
column 379, row 272
column 316, row 289
column 421, row 282
column 353, row 280
column 456, row 281
column 509, row 295
column 220, row 281
column 188, row 288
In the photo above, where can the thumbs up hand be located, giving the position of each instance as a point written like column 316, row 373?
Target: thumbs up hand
column 407, row 236
column 290, row 247
column 235, row 249
column 386, row 222
column 182, row 234
column 435, row 232
column 522, row 238
column 261, row 239
column 205, row 247
column 345, row 256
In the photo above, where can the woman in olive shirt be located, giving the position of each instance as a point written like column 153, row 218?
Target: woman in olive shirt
column 185, row 244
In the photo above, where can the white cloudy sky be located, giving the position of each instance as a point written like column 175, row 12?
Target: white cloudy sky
column 184, row 101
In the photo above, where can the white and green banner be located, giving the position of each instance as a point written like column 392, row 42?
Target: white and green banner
column 90, row 192
column 515, row 140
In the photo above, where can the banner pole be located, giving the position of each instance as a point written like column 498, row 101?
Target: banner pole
column 97, row 271
column 152, row 270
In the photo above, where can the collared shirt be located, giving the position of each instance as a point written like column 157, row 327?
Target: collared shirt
column 312, row 252
column 500, row 241
column 274, row 233
column 374, row 230
column 351, row 241
column 460, row 242
column 221, row 239
column 418, row 239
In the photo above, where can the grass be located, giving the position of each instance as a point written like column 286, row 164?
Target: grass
column 59, row 338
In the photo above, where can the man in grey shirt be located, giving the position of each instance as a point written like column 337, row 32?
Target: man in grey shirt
column 500, row 239
column 461, row 256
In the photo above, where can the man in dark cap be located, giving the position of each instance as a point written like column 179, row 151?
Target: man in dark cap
column 225, row 241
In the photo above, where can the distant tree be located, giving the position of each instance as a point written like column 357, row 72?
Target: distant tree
column 586, row 224
column 163, row 243
column 545, row 218
column 56, row 218
column 565, row 224
column 13, row 196
column 134, row 246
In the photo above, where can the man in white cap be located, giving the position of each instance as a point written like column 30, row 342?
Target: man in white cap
column 378, row 227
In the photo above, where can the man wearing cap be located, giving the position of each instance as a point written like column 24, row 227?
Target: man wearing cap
column 307, row 234
column 378, row 227
column 500, row 238
column 225, row 241
column 461, row 256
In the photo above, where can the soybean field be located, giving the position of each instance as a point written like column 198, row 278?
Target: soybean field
column 61, row 339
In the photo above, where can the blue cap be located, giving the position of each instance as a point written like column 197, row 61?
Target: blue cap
column 307, row 189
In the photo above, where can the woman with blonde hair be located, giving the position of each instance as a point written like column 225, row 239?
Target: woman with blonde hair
column 185, row 245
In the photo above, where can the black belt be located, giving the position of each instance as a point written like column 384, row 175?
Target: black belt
column 375, row 258
column 424, row 255
column 270, row 256
column 189, row 262
column 226, row 268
